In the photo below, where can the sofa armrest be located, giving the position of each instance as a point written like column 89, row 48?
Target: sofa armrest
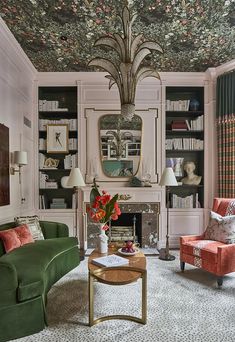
column 53, row 230
column 226, row 259
column 8, row 284
column 187, row 238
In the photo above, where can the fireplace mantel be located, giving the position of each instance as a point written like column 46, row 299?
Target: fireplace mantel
column 137, row 195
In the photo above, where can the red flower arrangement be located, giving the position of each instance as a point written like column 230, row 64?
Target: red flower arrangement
column 103, row 207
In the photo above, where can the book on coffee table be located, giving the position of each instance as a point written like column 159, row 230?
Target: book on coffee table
column 110, row 261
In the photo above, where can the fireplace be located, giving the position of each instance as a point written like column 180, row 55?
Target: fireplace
column 145, row 218
column 127, row 227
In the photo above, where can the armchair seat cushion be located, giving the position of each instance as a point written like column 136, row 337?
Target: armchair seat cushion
column 32, row 260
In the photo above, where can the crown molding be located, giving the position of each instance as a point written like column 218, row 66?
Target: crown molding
column 15, row 47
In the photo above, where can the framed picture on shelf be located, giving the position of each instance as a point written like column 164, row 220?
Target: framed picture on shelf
column 57, row 138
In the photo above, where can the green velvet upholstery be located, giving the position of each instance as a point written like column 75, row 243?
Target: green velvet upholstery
column 26, row 275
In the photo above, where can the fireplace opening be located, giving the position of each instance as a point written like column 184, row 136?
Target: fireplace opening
column 127, row 227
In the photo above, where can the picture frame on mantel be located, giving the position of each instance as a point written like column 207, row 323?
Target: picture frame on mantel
column 57, row 138
column 4, row 166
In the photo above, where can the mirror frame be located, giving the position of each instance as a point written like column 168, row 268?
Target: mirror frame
column 151, row 154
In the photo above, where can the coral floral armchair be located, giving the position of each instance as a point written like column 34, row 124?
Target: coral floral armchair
column 213, row 256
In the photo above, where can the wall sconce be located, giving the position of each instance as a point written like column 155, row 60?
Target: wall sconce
column 20, row 159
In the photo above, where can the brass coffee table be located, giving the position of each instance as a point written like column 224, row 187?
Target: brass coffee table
column 120, row 275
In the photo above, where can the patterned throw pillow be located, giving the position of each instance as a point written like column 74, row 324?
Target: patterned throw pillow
column 15, row 237
column 231, row 208
column 221, row 228
column 33, row 224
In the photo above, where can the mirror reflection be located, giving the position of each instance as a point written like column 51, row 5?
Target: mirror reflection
column 120, row 145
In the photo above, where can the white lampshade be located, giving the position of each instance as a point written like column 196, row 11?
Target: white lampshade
column 168, row 177
column 75, row 178
column 20, row 158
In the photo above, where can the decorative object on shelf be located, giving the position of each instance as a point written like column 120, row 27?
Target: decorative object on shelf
column 51, row 163
column 176, row 164
column 57, row 138
column 191, row 178
column 135, row 182
column 76, row 181
column 102, row 209
column 194, row 105
column 64, row 181
column 4, row 166
column 128, row 70
column 168, row 179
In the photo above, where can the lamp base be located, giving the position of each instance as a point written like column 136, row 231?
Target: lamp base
column 164, row 255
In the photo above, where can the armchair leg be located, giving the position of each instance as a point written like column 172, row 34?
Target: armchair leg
column 220, row 281
column 182, row 265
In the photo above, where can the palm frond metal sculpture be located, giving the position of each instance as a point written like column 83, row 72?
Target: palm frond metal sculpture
column 129, row 69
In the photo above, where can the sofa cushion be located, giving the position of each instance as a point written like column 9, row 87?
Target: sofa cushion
column 204, row 249
column 221, row 228
column 33, row 224
column 15, row 237
column 31, row 262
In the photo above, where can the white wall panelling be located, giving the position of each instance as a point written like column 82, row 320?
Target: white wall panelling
column 16, row 97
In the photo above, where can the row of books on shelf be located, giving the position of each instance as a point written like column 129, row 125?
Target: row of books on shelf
column 50, row 106
column 73, row 144
column 188, row 125
column 185, row 202
column 184, row 144
column 72, row 123
column 55, row 203
column 182, row 105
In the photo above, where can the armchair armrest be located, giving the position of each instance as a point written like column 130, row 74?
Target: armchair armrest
column 187, row 238
column 226, row 259
column 54, row 229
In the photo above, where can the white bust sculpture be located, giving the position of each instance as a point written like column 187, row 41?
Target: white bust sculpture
column 191, row 178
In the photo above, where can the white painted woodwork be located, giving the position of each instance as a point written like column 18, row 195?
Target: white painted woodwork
column 63, row 216
column 16, row 102
column 184, row 222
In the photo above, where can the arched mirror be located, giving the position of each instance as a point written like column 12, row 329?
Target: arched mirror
column 120, row 145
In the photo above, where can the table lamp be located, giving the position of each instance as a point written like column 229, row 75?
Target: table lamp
column 168, row 179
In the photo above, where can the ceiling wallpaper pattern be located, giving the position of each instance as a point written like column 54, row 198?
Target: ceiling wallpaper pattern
column 58, row 35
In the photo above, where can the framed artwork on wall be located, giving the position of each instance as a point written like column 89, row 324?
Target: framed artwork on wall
column 4, row 166
column 57, row 138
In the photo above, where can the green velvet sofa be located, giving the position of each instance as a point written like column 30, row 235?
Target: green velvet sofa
column 27, row 274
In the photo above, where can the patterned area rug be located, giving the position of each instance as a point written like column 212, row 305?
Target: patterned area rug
column 181, row 307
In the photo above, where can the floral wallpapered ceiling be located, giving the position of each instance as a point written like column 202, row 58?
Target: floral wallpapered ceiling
column 58, row 35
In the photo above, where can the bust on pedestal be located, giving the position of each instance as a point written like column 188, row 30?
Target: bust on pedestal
column 191, row 178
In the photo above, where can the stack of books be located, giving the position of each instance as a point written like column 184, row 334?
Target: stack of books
column 182, row 105
column 58, row 203
column 50, row 106
column 179, row 126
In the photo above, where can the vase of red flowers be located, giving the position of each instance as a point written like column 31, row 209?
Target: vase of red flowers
column 103, row 208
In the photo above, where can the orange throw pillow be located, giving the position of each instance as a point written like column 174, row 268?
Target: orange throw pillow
column 16, row 237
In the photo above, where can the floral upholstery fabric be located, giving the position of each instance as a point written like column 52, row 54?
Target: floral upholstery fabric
column 221, row 228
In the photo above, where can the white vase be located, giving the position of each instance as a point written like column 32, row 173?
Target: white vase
column 102, row 240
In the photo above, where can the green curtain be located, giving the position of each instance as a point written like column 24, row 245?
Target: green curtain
column 225, row 108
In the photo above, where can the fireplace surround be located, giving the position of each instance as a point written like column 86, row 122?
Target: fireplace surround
column 144, row 202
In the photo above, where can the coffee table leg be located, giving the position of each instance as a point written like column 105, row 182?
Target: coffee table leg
column 91, row 300
column 144, row 298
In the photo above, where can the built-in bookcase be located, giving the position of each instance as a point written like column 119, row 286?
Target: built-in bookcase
column 185, row 142
column 57, row 106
